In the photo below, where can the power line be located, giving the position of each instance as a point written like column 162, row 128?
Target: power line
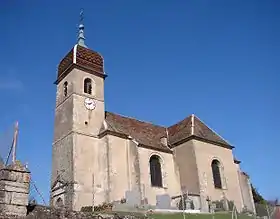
column 37, row 190
column 11, row 149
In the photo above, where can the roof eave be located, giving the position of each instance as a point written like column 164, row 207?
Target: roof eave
column 237, row 161
column 80, row 67
column 125, row 136
column 110, row 132
column 166, row 150
column 203, row 140
column 245, row 174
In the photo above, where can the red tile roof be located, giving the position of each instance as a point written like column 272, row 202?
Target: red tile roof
column 145, row 133
column 193, row 126
column 148, row 134
column 81, row 57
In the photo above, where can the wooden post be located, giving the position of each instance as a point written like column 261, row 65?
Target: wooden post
column 15, row 142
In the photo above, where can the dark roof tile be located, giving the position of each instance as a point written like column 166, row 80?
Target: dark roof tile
column 180, row 130
column 203, row 131
column 150, row 135
column 193, row 126
column 143, row 132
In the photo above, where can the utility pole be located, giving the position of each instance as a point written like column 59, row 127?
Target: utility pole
column 15, row 142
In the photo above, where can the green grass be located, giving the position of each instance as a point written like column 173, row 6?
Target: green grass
column 196, row 216
column 177, row 215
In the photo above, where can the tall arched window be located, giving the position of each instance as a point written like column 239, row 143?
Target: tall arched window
column 216, row 171
column 65, row 88
column 155, row 170
column 87, row 86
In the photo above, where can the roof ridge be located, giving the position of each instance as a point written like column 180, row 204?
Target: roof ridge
column 135, row 119
column 180, row 121
column 211, row 129
column 192, row 124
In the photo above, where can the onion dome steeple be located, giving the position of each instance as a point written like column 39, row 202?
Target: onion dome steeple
column 81, row 57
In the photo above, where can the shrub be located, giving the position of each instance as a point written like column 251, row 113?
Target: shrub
column 103, row 207
column 246, row 211
column 87, row 209
column 123, row 200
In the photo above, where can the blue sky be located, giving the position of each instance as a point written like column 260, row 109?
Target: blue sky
column 165, row 60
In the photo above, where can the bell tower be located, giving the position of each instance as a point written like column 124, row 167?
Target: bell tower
column 79, row 115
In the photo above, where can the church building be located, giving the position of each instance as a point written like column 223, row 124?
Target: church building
column 100, row 156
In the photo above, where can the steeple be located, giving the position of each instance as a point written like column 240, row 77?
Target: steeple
column 81, row 57
column 81, row 36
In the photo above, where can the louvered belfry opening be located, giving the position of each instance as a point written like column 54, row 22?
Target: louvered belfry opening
column 87, row 86
column 65, row 88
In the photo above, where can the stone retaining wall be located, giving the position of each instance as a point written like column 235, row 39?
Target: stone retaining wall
column 14, row 195
column 14, row 189
column 43, row 212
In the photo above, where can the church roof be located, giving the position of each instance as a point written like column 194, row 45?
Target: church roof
column 148, row 134
column 83, row 58
column 193, row 126
column 144, row 133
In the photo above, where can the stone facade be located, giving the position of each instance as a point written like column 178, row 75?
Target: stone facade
column 99, row 156
column 204, row 154
column 14, row 189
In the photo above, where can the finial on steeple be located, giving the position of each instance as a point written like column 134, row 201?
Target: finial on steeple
column 81, row 36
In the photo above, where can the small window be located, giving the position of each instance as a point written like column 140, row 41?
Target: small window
column 59, row 203
column 87, row 86
column 65, row 88
column 155, row 170
column 216, row 171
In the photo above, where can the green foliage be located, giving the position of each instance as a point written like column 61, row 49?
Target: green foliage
column 123, row 200
column 257, row 196
column 197, row 216
column 104, row 207
column 246, row 211
column 223, row 205
column 87, row 209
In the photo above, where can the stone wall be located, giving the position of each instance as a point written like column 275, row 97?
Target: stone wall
column 14, row 195
column 43, row 212
column 14, row 189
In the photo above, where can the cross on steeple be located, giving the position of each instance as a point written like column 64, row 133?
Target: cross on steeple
column 81, row 36
column 82, row 16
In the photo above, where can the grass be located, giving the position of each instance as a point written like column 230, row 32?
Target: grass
column 196, row 216
column 176, row 215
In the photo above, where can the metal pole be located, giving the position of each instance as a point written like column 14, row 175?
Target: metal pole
column 93, row 190
column 15, row 143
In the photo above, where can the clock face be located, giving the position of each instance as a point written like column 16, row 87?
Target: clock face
column 90, row 104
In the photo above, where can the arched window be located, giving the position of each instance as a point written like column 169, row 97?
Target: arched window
column 59, row 203
column 216, row 171
column 65, row 88
column 87, row 86
column 155, row 170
